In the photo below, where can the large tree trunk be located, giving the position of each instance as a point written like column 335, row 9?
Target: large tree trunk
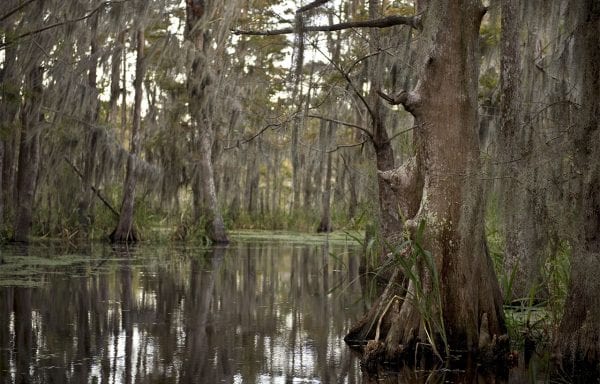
column 29, row 154
column 455, row 302
column 522, row 196
column 578, row 338
column 124, row 232
column 200, row 109
column 216, row 226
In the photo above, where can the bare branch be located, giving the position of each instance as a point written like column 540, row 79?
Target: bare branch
column 384, row 22
column 94, row 189
column 407, row 99
column 254, row 136
column 340, row 146
column 16, row 9
column 348, row 80
column 362, row 129
column 399, row 98
column 403, row 132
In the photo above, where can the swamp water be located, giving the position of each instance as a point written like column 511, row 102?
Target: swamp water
column 253, row 312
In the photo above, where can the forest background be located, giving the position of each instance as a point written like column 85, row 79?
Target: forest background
column 164, row 120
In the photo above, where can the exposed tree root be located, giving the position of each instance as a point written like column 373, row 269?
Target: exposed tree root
column 395, row 332
column 128, row 237
column 366, row 327
column 324, row 227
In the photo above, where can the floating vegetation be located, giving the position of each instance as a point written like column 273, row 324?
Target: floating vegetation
column 295, row 237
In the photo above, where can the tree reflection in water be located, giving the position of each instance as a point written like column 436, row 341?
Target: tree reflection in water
column 254, row 312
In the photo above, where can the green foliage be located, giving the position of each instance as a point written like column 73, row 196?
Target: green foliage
column 557, row 271
column 427, row 300
column 488, row 83
column 186, row 230
column 301, row 221
column 528, row 318
column 495, row 246
column 489, row 33
column 418, row 266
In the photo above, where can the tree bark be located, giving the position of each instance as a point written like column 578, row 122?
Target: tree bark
column 29, row 154
column 578, row 337
column 521, row 197
column 384, row 22
column 87, row 199
column 389, row 207
column 115, row 79
column 124, row 232
column 325, row 224
column 467, row 301
column 297, row 123
column 200, row 104
column 9, row 80
column 252, row 178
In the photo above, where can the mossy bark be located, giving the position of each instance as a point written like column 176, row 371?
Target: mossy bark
column 464, row 310
column 124, row 231
column 578, row 337
column 29, row 154
column 201, row 106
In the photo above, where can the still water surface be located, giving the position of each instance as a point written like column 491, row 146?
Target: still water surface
column 260, row 312
column 253, row 312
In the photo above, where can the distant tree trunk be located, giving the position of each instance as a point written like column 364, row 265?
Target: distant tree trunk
column 252, row 178
column 325, row 224
column 321, row 167
column 197, row 196
column 124, row 232
column 308, row 162
column 465, row 311
column 578, row 338
column 9, row 80
column 9, row 169
column 297, row 118
column 9, row 109
column 339, row 192
column 275, row 193
column 29, row 154
column 268, row 189
column 90, row 97
column 352, row 187
column 199, row 79
column 296, row 192
column 124, row 95
column 390, row 220
column 115, row 80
